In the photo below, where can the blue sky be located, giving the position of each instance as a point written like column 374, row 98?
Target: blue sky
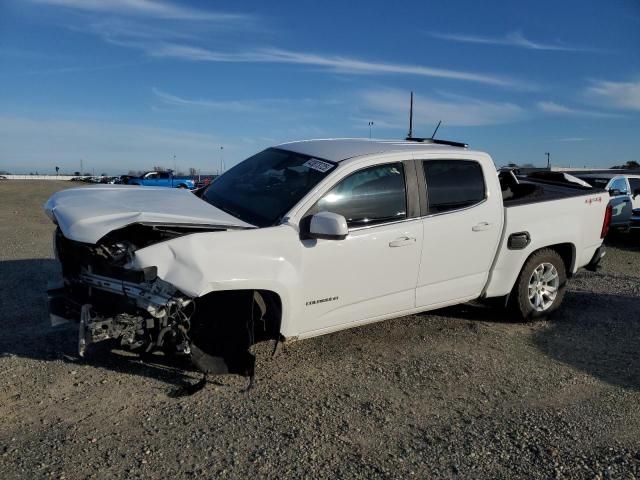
column 128, row 84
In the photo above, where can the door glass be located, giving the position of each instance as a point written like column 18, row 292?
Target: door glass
column 453, row 184
column 635, row 185
column 619, row 184
column 371, row 196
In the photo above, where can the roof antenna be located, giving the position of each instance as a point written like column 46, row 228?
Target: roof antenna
column 410, row 134
column 433, row 135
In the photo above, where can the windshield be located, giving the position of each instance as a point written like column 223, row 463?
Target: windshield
column 261, row 189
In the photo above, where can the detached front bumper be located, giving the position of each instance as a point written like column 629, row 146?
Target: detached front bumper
column 142, row 315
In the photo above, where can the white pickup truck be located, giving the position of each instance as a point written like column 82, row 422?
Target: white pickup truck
column 312, row 237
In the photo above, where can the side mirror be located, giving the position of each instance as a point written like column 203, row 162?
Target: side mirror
column 328, row 226
column 614, row 192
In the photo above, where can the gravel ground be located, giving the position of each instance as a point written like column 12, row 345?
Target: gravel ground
column 456, row 393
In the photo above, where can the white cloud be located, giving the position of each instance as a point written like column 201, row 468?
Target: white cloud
column 148, row 8
column 294, row 107
column 558, row 109
column 392, row 107
column 164, row 41
column 573, row 139
column 332, row 62
column 625, row 95
column 513, row 39
column 224, row 105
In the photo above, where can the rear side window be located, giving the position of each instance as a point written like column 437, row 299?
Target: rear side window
column 453, row 184
column 368, row 197
column 635, row 184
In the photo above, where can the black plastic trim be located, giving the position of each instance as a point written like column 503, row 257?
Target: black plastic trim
column 412, row 188
column 594, row 264
column 518, row 241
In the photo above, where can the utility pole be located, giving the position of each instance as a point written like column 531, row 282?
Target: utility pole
column 175, row 168
column 221, row 160
column 81, row 168
column 548, row 160
column 371, row 124
column 410, row 135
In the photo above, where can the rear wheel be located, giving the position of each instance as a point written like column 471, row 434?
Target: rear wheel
column 540, row 287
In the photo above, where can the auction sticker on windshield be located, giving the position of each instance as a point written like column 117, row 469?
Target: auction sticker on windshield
column 318, row 165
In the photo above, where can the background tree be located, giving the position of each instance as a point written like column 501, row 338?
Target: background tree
column 192, row 172
column 630, row 165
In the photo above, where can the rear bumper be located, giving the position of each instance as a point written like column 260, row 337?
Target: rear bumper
column 634, row 223
column 594, row 264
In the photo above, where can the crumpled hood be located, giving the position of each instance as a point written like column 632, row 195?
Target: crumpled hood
column 88, row 214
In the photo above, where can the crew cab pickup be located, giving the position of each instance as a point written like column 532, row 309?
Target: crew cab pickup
column 312, row 237
column 162, row 179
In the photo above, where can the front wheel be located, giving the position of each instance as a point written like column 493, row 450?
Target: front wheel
column 540, row 287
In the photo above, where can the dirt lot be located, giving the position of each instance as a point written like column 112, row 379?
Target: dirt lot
column 457, row 393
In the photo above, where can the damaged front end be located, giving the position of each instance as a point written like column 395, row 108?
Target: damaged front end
column 134, row 307
column 112, row 302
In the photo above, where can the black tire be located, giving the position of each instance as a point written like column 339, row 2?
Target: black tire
column 520, row 302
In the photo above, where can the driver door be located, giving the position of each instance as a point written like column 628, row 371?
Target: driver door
column 373, row 271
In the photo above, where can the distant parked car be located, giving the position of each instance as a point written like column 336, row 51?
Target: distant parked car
column 634, row 183
column 620, row 188
column 162, row 179
column 122, row 179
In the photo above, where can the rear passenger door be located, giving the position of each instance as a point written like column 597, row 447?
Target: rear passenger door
column 462, row 223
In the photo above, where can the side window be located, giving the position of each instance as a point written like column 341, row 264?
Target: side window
column 163, row 175
column 453, row 184
column 619, row 184
column 152, row 175
column 635, row 185
column 371, row 196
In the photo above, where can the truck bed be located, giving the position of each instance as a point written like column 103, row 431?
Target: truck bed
column 536, row 191
column 567, row 220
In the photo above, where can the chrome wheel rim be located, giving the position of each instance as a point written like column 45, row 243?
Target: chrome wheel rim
column 543, row 286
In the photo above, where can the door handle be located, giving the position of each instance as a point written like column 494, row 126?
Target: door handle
column 402, row 241
column 481, row 227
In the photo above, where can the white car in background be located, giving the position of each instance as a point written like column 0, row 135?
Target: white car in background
column 624, row 192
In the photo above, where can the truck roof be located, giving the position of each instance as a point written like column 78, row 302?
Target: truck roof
column 339, row 149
